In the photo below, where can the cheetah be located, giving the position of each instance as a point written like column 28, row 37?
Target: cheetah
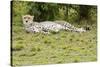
column 48, row 26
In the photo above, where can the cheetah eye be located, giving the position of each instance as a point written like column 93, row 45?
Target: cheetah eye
column 28, row 17
column 24, row 17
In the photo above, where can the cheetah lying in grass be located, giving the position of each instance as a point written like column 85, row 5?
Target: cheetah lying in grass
column 47, row 26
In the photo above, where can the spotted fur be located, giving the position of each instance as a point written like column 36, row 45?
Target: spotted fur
column 47, row 26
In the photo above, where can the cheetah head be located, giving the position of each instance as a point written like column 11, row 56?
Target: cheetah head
column 27, row 19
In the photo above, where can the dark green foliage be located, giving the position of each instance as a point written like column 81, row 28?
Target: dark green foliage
column 53, row 11
column 85, row 13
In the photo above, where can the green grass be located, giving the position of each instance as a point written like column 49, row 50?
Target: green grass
column 62, row 47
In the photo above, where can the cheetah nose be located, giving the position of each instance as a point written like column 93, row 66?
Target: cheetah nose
column 26, row 21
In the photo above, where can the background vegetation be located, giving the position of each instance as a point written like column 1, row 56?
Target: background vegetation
column 63, row 47
column 55, row 11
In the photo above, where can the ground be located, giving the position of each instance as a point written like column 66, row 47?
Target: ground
column 55, row 48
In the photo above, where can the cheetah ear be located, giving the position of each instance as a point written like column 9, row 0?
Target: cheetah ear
column 32, row 17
